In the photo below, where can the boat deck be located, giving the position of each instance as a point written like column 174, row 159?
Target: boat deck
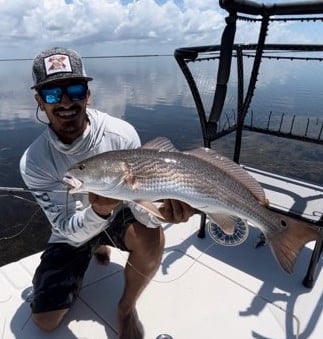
column 202, row 290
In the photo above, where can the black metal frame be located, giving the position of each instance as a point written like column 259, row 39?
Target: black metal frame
column 225, row 52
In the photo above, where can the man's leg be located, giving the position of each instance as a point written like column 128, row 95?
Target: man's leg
column 102, row 254
column 49, row 321
column 146, row 247
column 57, row 282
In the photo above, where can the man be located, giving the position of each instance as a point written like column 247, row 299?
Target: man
column 84, row 225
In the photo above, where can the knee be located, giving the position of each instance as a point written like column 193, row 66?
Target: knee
column 153, row 248
column 45, row 325
column 154, row 244
column 150, row 241
column 49, row 321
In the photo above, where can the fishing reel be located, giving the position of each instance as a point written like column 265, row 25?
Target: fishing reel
column 240, row 234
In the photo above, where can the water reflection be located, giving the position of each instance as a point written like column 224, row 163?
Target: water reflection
column 152, row 94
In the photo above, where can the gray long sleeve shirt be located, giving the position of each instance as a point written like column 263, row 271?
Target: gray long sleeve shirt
column 45, row 162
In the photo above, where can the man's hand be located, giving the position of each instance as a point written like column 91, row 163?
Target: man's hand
column 102, row 206
column 175, row 211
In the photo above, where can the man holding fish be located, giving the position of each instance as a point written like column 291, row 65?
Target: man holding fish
column 84, row 224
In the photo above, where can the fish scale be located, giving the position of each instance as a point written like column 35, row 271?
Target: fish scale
column 159, row 175
column 201, row 178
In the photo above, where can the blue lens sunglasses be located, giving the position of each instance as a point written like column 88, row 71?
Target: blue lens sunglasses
column 54, row 94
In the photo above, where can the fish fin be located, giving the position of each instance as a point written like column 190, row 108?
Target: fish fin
column 226, row 222
column 162, row 144
column 129, row 180
column 235, row 170
column 287, row 244
column 150, row 207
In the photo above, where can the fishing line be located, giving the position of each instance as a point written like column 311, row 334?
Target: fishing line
column 29, row 220
column 23, row 229
column 66, row 201
column 157, row 280
column 10, row 193
column 18, row 197
column 29, row 190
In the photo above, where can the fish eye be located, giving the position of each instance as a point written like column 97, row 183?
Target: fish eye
column 81, row 167
column 283, row 223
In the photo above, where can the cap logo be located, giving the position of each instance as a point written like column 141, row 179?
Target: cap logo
column 57, row 63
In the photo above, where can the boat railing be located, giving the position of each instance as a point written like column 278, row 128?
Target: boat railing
column 215, row 123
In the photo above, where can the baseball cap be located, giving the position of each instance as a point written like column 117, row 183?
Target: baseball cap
column 57, row 64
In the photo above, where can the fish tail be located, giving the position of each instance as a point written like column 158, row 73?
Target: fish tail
column 287, row 244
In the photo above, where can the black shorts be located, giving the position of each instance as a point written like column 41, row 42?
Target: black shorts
column 59, row 275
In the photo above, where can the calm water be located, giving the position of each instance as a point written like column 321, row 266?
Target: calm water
column 152, row 94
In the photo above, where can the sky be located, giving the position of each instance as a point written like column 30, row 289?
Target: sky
column 122, row 27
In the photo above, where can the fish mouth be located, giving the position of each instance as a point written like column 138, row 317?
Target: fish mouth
column 73, row 183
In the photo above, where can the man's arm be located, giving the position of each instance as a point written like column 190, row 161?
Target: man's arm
column 103, row 207
column 72, row 218
column 173, row 211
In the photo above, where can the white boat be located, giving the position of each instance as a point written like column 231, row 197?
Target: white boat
column 202, row 290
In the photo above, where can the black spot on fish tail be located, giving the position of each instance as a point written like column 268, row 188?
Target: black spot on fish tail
column 287, row 244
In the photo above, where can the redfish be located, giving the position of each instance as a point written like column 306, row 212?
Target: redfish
column 202, row 178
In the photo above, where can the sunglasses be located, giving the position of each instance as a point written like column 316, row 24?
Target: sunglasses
column 54, row 94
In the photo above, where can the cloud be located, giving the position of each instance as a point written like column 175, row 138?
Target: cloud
column 114, row 26
column 96, row 21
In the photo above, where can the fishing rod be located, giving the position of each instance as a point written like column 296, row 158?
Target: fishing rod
column 29, row 190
